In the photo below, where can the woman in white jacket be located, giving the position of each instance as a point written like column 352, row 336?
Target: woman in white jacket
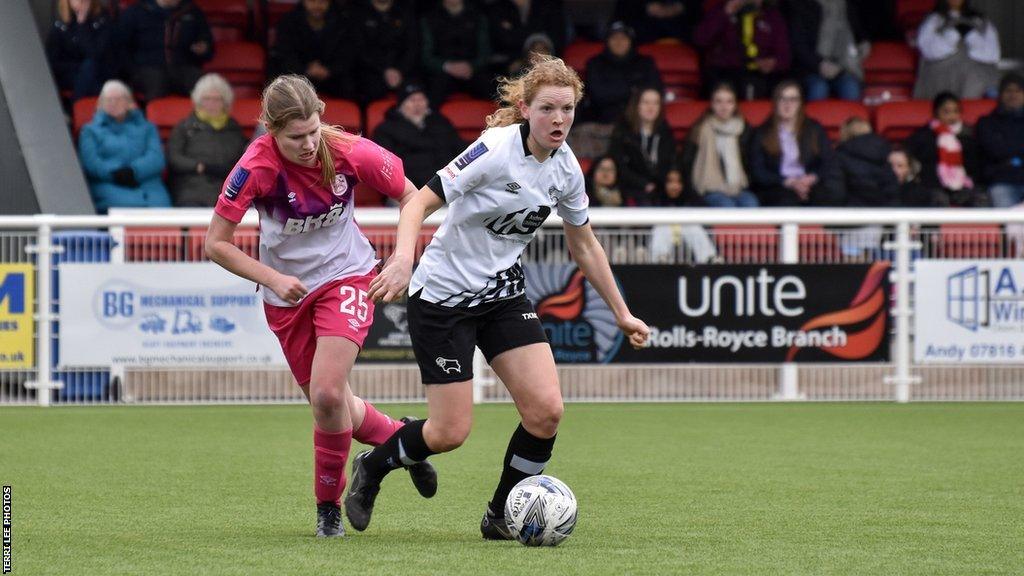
column 959, row 52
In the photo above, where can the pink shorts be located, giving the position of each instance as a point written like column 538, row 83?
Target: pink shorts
column 338, row 308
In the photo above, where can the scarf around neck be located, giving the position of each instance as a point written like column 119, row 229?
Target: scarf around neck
column 951, row 172
column 218, row 121
column 719, row 164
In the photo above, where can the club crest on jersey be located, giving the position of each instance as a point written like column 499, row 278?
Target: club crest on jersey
column 466, row 159
column 312, row 222
column 554, row 193
column 235, row 182
column 524, row 221
column 339, row 186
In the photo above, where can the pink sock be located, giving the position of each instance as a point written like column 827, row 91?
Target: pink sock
column 376, row 428
column 330, row 451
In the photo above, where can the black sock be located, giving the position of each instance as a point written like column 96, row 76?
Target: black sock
column 404, row 448
column 526, row 456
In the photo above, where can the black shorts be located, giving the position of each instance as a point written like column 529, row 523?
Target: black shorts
column 444, row 338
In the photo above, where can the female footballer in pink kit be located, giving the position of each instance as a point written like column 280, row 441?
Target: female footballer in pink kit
column 315, row 266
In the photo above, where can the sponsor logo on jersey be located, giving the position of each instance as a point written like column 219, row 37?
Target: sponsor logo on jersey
column 513, row 187
column 524, row 221
column 448, row 366
column 466, row 159
column 294, row 226
column 340, row 185
column 235, row 182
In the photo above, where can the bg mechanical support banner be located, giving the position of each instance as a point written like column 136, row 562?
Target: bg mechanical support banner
column 17, row 326
column 194, row 314
column 969, row 311
column 720, row 313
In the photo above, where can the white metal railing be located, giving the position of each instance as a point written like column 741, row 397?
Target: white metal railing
column 629, row 235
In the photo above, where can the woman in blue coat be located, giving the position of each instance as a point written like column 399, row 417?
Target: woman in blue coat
column 121, row 153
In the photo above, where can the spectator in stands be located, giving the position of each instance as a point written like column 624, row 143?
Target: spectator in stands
column 907, row 169
column 829, row 46
column 864, row 160
column 166, row 42
column 745, row 43
column 80, row 47
column 603, row 183
column 1001, row 138
column 205, row 146
column 121, row 154
column 537, row 43
column 456, row 52
column 422, row 138
column 655, row 20
column 385, row 32
column 791, row 160
column 714, row 154
column 948, row 155
column 314, row 40
column 613, row 74
column 644, row 149
column 667, row 239
column 511, row 22
column 959, row 52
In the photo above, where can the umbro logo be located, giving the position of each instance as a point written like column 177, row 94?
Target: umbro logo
column 513, row 188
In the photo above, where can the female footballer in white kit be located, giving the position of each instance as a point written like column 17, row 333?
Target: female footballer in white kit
column 469, row 288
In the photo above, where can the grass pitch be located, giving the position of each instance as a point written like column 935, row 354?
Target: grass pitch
column 663, row 489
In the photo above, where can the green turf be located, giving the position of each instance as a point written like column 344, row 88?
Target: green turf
column 663, row 489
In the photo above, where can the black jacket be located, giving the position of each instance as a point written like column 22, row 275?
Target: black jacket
column 508, row 32
column 816, row 156
column 385, row 40
column 870, row 181
column 423, row 150
column 921, row 145
column 455, row 38
column 611, row 80
column 804, row 23
column 1001, row 139
column 152, row 36
column 635, row 172
column 70, row 44
column 298, row 45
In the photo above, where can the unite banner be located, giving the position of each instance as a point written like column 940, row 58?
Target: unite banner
column 969, row 311
column 17, row 323
column 194, row 314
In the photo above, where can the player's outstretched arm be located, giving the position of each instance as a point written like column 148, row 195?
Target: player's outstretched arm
column 590, row 257
column 393, row 280
column 221, row 250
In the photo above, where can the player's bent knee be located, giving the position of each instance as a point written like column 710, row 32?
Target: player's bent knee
column 327, row 399
column 448, row 438
column 543, row 421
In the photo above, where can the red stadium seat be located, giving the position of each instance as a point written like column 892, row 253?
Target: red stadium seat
column 375, row 112
column 468, row 116
column 166, row 112
column 678, row 64
column 344, row 113
column 82, row 112
column 247, row 238
column 756, row 111
column 969, row 241
column 891, row 67
column 152, row 244
column 832, row 113
column 585, row 164
column 910, row 13
column 222, row 35
column 973, row 110
column 246, row 111
column 894, row 121
column 243, row 64
column 577, row 54
column 747, row 243
column 681, row 116
column 817, row 245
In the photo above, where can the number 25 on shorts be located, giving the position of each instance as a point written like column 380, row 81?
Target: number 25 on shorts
column 353, row 302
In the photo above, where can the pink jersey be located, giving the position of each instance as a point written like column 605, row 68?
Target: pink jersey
column 307, row 229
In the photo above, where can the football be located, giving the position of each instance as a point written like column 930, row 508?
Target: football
column 541, row 511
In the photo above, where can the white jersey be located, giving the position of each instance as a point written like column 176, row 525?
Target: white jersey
column 498, row 194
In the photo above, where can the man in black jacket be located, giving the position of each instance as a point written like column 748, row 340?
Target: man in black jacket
column 314, row 40
column 1001, row 138
column 456, row 51
column 424, row 140
column 385, row 32
column 613, row 74
column 166, row 43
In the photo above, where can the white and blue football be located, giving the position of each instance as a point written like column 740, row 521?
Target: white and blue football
column 541, row 511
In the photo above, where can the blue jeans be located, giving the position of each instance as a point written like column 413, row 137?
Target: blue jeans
column 742, row 200
column 846, row 86
column 1006, row 195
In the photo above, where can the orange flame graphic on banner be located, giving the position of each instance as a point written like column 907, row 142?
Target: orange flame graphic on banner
column 869, row 302
column 566, row 305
